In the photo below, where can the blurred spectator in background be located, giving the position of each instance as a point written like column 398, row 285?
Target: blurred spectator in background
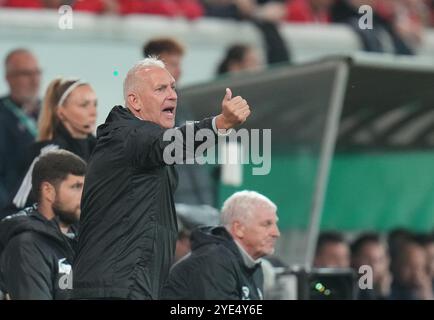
column 268, row 10
column 309, row 11
column 411, row 18
column 189, row 218
column 411, row 280
column 190, row 9
column 37, row 244
column 18, row 112
column 198, row 187
column 381, row 37
column 368, row 249
column 170, row 51
column 427, row 241
column 429, row 247
column 265, row 15
column 225, row 263
column 67, row 121
column 430, row 4
column 396, row 239
column 233, row 9
column 94, row 6
column 239, row 57
column 332, row 251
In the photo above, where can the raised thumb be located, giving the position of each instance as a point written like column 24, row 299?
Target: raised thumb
column 228, row 95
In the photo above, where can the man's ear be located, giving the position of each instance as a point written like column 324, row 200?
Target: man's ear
column 48, row 192
column 238, row 229
column 133, row 101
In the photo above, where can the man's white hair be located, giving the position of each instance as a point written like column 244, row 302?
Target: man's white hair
column 130, row 81
column 240, row 206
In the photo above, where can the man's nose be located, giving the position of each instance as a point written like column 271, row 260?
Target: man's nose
column 172, row 94
column 93, row 112
column 275, row 231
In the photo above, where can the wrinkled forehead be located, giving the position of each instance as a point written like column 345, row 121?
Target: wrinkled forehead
column 264, row 211
column 155, row 76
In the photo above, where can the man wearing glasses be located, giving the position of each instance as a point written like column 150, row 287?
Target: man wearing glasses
column 18, row 114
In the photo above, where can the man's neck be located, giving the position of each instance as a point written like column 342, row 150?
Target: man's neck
column 247, row 258
column 133, row 112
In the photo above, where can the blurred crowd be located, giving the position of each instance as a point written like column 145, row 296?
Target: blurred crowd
column 398, row 25
column 403, row 12
column 402, row 262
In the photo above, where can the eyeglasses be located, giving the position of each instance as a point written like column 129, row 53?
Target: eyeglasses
column 26, row 73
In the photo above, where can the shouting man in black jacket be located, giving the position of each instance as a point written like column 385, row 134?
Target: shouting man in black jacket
column 37, row 244
column 128, row 225
column 225, row 261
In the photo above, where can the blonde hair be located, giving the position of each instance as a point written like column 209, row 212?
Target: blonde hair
column 48, row 119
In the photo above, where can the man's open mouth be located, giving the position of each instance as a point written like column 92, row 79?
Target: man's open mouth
column 169, row 110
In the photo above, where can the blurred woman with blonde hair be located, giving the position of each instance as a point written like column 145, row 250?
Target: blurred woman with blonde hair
column 67, row 121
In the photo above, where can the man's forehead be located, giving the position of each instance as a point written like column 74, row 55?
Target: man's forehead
column 156, row 74
column 265, row 212
column 22, row 60
column 72, row 177
column 20, row 57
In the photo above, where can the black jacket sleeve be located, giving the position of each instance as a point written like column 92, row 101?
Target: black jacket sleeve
column 146, row 144
column 26, row 271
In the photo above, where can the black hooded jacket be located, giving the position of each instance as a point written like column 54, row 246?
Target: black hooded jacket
column 35, row 257
column 128, row 224
column 215, row 270
column 62, row 139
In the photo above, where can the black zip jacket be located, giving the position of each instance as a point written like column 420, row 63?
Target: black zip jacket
column 215, row 270
column 35, row 257
column 128, row 224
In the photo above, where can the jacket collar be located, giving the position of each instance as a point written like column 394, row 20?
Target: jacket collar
column 247, row 258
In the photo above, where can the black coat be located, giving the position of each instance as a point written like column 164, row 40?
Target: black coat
column 215, row 270
column 62, row 139
column 128, row 224
column 15, row 140
column 35, row 257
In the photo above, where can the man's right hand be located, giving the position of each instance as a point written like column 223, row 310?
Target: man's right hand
column 234, row 111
